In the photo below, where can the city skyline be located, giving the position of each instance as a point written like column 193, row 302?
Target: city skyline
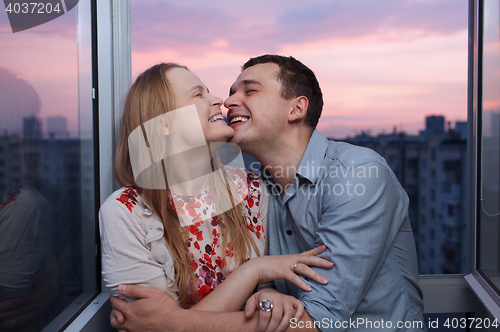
column 55, row 126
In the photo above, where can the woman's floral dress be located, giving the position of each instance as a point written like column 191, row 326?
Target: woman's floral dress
column 134, row 249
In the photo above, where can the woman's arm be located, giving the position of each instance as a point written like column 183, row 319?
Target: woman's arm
column 125, row 254
column 232, row 294
column 125, row 259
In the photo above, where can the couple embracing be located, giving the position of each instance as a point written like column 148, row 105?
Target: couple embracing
column 294, row 244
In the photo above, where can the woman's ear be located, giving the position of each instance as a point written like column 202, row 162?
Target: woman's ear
column 299, row 109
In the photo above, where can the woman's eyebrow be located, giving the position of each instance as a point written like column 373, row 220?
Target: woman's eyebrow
column 196, row 88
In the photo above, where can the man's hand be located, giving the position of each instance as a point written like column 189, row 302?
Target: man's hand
column 154, row 310
column 19, row 313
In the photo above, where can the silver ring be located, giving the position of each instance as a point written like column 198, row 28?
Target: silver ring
column 295, row 267
column 266, row 305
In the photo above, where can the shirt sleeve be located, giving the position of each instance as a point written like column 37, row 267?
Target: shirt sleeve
column 125, row 254
column 360, row 217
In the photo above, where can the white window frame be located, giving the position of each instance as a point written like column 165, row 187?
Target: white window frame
column 485, row 293
column 112, row 64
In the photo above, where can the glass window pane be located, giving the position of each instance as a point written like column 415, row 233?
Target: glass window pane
column 489, row 150
column 393, row 76
column 46, row 164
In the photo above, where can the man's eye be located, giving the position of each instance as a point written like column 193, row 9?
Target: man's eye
column 199, row 95
column 250, row 91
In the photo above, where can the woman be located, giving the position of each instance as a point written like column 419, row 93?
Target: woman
column 146, row 235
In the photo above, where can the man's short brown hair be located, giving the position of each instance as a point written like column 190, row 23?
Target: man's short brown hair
column 296, row 80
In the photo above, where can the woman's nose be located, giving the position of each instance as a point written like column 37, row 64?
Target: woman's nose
column 216, row 101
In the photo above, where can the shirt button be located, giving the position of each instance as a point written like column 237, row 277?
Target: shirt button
column 289, row 232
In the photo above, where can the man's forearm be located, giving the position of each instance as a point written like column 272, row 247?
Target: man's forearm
column 192, row 320
column 157, row 311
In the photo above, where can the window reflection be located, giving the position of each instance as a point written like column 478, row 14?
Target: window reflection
column 29, row 271
column 46, row 172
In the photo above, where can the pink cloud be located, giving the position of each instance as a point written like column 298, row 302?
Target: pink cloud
column 264, row 26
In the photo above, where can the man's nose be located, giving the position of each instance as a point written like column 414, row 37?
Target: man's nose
column 231, row 101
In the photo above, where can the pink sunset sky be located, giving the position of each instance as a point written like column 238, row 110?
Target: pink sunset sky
column 380, row 64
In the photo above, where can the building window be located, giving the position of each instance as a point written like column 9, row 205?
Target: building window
column 433, row 175
column 423, row 164
column 446, row 188
column 451, row 210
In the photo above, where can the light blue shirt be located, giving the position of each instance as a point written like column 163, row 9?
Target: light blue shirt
column 347, row 198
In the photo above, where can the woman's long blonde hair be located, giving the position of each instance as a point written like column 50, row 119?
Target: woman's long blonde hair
column 151, row 95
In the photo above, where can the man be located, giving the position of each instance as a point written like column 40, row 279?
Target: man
column 325, row 192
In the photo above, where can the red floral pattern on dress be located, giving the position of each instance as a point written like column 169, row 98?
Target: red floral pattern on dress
column 210, row 260
column 11, row 197
column 129, row 198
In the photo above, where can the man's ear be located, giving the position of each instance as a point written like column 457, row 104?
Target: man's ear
column 299, row 110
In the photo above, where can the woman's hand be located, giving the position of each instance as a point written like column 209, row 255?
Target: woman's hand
column 233, row 292
column 288, row 267
column 284, row 308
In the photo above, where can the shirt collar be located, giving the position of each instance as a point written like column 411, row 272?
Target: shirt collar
column 311, row 161
column 266, row 175
column 313, row 157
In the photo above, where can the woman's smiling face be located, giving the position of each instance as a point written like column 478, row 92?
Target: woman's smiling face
column 188, row 89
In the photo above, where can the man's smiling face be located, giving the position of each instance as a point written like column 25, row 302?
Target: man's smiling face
column 257, row 112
